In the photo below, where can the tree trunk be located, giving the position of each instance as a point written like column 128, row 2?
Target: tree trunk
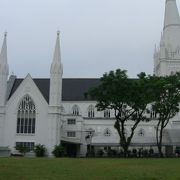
column 125, row 148
column 159, row 142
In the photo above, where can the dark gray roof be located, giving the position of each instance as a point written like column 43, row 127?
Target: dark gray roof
column 72, row 89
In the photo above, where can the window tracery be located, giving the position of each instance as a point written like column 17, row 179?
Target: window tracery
column 75, row 110
column 107, row 113
column 91, row 111
column 26, row 116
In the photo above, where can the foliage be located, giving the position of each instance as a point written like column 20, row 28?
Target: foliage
column 40, row 150
column 100, row 153
column 128, row 98
column 145, row 152
column 134, row 151
column 58, row 151
column 151, row 152
column 166, row 105
column 22, row 149
column 177, row 150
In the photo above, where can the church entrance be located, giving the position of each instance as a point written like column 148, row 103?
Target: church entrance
column 71, row 149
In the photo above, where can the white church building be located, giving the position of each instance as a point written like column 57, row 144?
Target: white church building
column 54, row 110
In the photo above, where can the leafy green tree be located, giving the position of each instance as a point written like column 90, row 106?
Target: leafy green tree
column 128, row 98
column 40, row 150
column 166, row 105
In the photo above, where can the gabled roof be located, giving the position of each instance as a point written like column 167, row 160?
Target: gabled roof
column 72, row 89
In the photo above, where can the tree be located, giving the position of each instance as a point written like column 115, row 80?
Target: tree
column 166, row 105
column 40, row 150
column 128, row 98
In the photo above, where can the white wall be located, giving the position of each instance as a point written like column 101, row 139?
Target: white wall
column 27, row 87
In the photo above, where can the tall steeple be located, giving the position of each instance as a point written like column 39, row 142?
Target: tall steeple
column 167, row 60
column 4, row 71
column 171, row 31
column 4, row 68
column 56, row 72
column 171, row 14
column 55, row 97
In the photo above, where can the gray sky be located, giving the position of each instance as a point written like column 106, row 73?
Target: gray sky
column 96, row 35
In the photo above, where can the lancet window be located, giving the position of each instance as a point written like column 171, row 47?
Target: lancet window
column 26, row 116
column 107, row 113
column 75, row 110
column 91, row 111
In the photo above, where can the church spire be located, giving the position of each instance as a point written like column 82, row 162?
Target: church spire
column 56, row 72
column 171, row 31
column 56, row 66
column 3, row 54
column 4, row 72
column 168, row 59
column 55, row 96
column 57, row 53
column 171, row 14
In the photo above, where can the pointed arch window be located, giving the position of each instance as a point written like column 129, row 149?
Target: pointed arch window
column 153, row 114
column 75, row 110
column 107, row 113
column 91, row 111
column 26, row 116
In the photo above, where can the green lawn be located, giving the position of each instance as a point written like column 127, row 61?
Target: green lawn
column 90, row 169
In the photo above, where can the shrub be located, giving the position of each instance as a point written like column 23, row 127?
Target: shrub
column 128, row 153
column 114, row 152
column 40, row 150
column 121, row 153
column 145, row 152
column 100, row 153
column 22, row 149
column 151, row 152
column 58, row 151
column 134, row 151
column 177, row 151
column 140, row 151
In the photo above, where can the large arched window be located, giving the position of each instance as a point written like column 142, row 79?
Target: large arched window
column 91, row 111
column 26, row 116
column 75, row 110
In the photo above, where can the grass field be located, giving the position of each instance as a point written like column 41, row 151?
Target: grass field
column 90, row 169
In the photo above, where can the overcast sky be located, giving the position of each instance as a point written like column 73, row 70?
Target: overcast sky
column 96, row 35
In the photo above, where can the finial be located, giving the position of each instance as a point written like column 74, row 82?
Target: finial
column 5, row 33
column 58, row 32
